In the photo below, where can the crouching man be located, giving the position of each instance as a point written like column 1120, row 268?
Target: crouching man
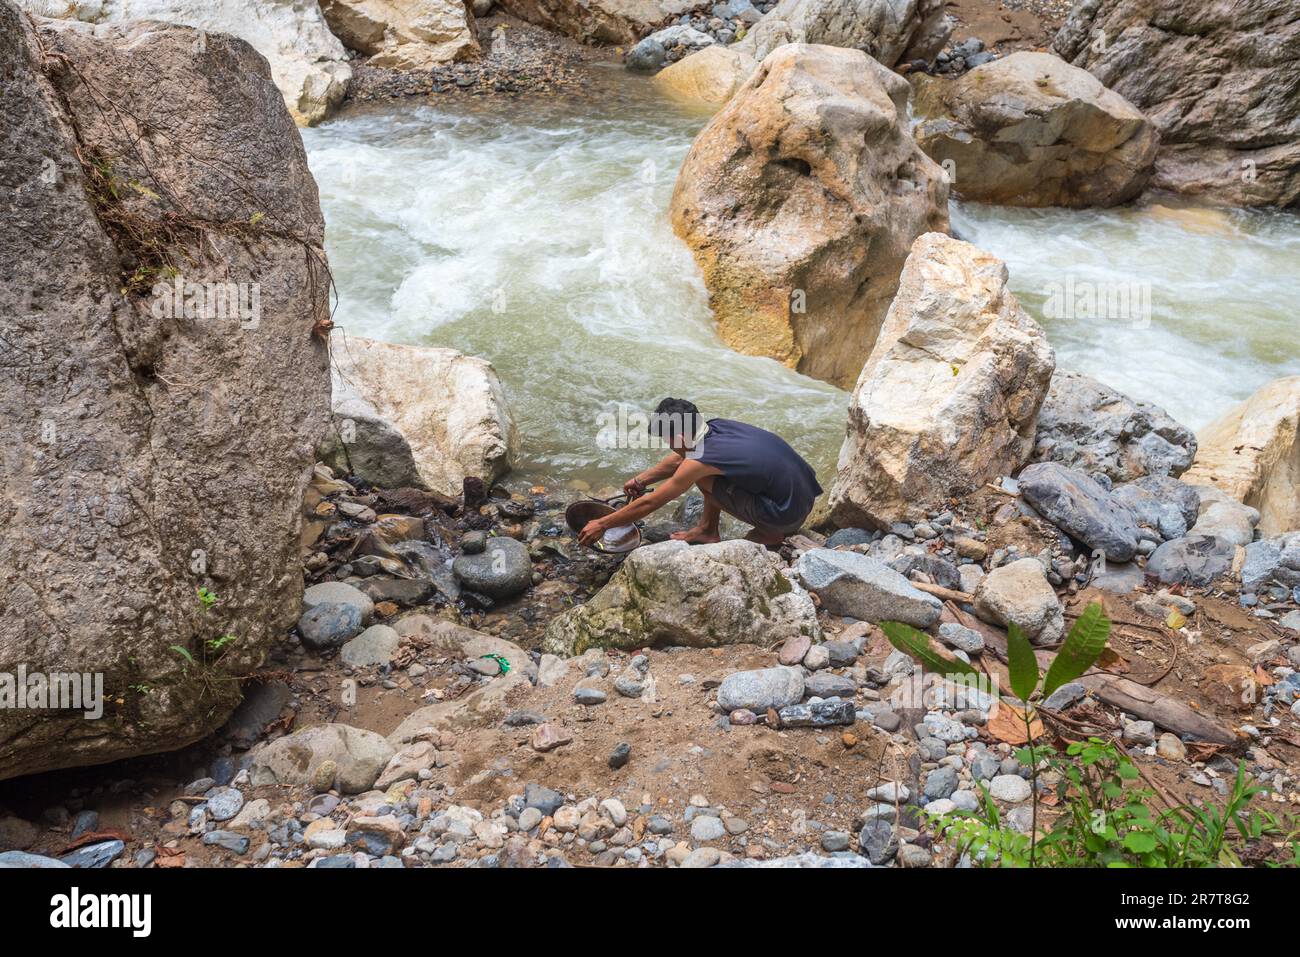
column 740, row 469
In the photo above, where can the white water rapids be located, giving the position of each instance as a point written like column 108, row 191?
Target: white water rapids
column 536, row 234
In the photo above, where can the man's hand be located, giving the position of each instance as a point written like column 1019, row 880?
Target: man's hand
column 592, row 532
column 633, row 488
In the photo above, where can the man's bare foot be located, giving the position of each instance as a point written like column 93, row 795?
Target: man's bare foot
column 699, row 535
column 770, row 539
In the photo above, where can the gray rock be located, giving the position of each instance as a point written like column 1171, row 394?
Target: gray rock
column 824, row 684
column 543, row 799
column 374, row 646
column 819, row 714
column 589, row 696
column 1019, row 593
column 941, row 782
column 835, row 841
column 849, row 536
column 1192, row 560
column 224, row 803
column 1009, row 788
column 878, row 842
column 707, row 828
column 329, row 625
column 1086, row 425
column 864, row 588
column 940, row 571
column 1164, row 517
column 648, row 56
column 95, row 855
column 14, row 859
column 1271, row 560
column 502, row 570
column 962, row 638
column 1224, row 518
column 1065, row 696
column 761, row 689
column 1176, row 492
column 338, row 593
column 1077, row 504
column 229, row 840
column 358, row 757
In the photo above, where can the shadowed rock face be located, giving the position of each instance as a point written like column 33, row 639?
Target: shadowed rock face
column 1031, row 130
column 149, row 453
column 1217, row 79
column 801, row 200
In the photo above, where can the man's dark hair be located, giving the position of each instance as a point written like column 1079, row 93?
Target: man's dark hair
column 675, row 421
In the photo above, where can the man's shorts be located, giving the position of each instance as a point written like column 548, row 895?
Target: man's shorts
column 754, row 509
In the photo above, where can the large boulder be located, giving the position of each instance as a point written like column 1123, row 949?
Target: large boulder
column 1217, row 79
column 599, row 21
column 1089, row 426
column 854, row 585
column 1080, row 506
column 702, row 596
column 949, row 398
column 417, row 416
column 158, row 442
column 307, row 61
column 889, row 31
column 1252, row 453
column 800, row 201
column 1030, row 130
column 404, row 34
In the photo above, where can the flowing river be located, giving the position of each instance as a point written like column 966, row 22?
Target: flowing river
column 536, row 234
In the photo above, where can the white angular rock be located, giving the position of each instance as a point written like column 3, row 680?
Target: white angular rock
column 1252, row 453
column 697, row 595
column 800, row 201
column 404, row 34
column 418, row 416
column 1019, row 593
column 307, row 61
column 949, row 398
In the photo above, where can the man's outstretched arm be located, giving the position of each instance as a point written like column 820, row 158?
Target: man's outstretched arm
column 686, row 475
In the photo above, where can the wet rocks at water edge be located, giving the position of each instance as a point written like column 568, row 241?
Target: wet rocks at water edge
column 502, row 569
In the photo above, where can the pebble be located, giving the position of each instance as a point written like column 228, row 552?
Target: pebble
column 224, row 803
column 707, row 828
column 1011, row 788
column 621, row 754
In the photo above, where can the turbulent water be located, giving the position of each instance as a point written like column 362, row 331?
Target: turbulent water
column 536, row 234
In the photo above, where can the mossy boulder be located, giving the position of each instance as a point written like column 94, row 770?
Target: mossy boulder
column 701, row 596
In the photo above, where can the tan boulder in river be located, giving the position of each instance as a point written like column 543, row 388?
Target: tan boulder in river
column 950, row 396
column 1252, row 453
column 404, row 34
column 1031, row 130
column 801, row 200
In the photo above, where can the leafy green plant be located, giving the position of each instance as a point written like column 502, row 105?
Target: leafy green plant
column 206, row 598
column 1106, row 820
column 1081, row 648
